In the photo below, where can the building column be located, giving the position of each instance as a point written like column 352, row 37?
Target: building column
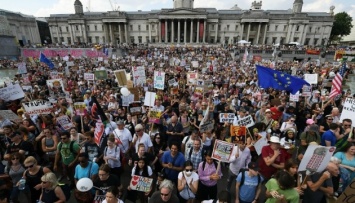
column 304, row 34
column 289, row 28
column 191, row 31
column 301, row 34
column 204, row 30
column 258, row 35
column 242, row 31
column 185, row 26
column 110, row 30
column 72, row 34
column 248, row 33
column 150, row 32
column 107, row 34
column 166, row 30
column 216, row 33
column 321, row 36
column 85, row 34
column 120, row 33
column 198, row 31
column 58, row 37
column 179, row 31
column 172, row 31
column 263, row 42
column 159, row 31
column 293, row 32
column 126, row 32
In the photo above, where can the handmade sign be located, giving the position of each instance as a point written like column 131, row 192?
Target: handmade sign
column 154, row 116
column 139, row 77
column 149, row 99
column 56, row 88
column 194, row 64
column 222, row 150
column 65, row 122
column 348, row 110
column 89, row 76
column 171, row 82
column 206, row 126
column 316, row 158
column 246, row 121
column 191, row 78
column 11, row 93
column 121, row 77
column 126, row 100
column 100, row 75
column 8, row 114
column 295, row 97
column 238, row 130
column 22, row 68
column 306, row 91
column 259, row 144
column 159, row 80
column 141, row 183
column 80, row 108
column 226, row 117
column 348, row 196
column 135, row 108
column 311, row 78
column 199, row 91
column 37, row 107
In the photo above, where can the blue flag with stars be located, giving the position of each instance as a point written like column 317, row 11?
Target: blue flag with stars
column 268, row 77
column 44, row 59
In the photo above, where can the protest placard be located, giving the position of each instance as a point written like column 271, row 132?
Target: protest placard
column 259, row 144
column 295, row 97
column 126, row 100
column 11, row 93
column 316, row 158
column 222, row 150
column 27, row 88
column 246, row 121
column 22, row 68
column 348, row 110
column 237, row 130
column 154, row 115
column 70, row 63
column 141, row 183
column 311, row 78
column 56, row 88
column 306, row 91
column 135, row 108
column 206, row 126
column 171, row 82
column 139, row 76
column 348, row 196
column 159, row 80
column 89, row 76
column 37, row 107
column 226, row 117
column 99, row 198
column 80, row 108
column 149, row 99
column 121, row 77
column 100, row 75
column 191, row 78
column 194, row 64
column 199, row 91
column 8, row 114
column 65, row 122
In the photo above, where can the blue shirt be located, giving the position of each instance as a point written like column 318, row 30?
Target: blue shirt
column 179, row 162
column 328, row 136
column 247, row 191
column 81, row 172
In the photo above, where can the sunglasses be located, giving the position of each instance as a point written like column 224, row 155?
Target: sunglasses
column 30, row 166
column 189, row 170
column 15, row 158
column 165, row 195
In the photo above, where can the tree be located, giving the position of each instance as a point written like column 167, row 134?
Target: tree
column 341, row 26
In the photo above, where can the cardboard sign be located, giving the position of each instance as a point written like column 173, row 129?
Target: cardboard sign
column 65, row 122
column 38, row 107
column 159, row 80
column 222, row 150
column 135, row 108
column 89, row 76
column 80, row 108
column 348, row 196
column 316, row 158
column 206, row 126
column 226, row 117
column 141, row 183
column 246, row 121
column 149, row 99
column 11, row 93
column 8, row 114
column 192, row 78
column 311, row 78
column 348, row 110
column 121, row 77
column 100, row 75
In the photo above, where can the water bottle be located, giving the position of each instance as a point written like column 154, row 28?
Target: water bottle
column 22, row 184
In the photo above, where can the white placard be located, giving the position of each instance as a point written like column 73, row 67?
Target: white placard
column 258, row 145
column 192, row 78
column 316, row 158
column 89, row 76
column 149, row 99
column 311, row 78
column 22, row 68
column 194, row 64
column 70, row 63
column 37, row 107
column 159, row 80
column 246, row 121
column 11, row 93
column 126, row 100
column 295, row 97
column 226, row 117
column 348, row 110
column 65, row 122
column 139, row 77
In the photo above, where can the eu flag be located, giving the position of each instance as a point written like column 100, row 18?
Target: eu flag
column 278, row 80
column 45, row 60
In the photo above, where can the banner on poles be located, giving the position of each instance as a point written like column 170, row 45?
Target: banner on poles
column 222, row 150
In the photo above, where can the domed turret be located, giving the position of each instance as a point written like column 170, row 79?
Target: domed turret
column 297, row 6
column 78, row 6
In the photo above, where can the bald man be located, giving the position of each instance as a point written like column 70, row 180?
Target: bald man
column 319, row 185
column 336, row 115
column 175, row 131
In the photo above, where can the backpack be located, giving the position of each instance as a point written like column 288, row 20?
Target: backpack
column 242, row 171
column 204, row 164
column 106, row 150
column 66, row 190
column 71, row 147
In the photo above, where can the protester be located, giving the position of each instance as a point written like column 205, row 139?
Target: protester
column 51, row 192
column 188, row 183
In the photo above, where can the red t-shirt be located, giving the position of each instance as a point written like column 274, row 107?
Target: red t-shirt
column 268, row 171
column 275, row 113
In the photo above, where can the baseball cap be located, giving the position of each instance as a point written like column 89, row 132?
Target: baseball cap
column 310, row 121
column 253, row 166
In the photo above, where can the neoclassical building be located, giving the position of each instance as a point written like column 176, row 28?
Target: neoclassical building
column 186, row 24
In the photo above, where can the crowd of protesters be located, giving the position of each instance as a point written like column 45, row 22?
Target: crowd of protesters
column 172, row 150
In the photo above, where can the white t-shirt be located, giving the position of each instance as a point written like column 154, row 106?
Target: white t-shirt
column 125, row 137
column 187, row 193
column 118, row 200
column 145, row 139
column 150, row 172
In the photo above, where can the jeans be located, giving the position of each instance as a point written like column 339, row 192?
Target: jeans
column 231, row 178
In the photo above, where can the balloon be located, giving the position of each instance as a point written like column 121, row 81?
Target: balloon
column 84, row 184
column 124, row 91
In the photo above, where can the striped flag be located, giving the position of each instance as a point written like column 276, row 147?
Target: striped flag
column 337, row 81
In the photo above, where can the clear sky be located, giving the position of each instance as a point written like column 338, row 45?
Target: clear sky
column 43, row 8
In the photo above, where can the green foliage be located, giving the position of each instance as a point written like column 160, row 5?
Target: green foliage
column 341, row 26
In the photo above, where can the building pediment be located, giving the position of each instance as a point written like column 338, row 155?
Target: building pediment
column 182, row 13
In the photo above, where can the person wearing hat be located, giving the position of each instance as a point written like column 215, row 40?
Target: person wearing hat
column 142, row 137
column 18, row 145
column 248, row 193
column 123, row 136
column 272, row 158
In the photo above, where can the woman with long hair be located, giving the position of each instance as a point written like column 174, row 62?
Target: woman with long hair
column 112, row 156
column 158, row 149
column 112, row 195
column 347, row 158
column 51, row 192
column 281, row 189
column 105, row 180
column 188, row 183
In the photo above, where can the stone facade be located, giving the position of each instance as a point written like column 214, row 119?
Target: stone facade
column 185, row 24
